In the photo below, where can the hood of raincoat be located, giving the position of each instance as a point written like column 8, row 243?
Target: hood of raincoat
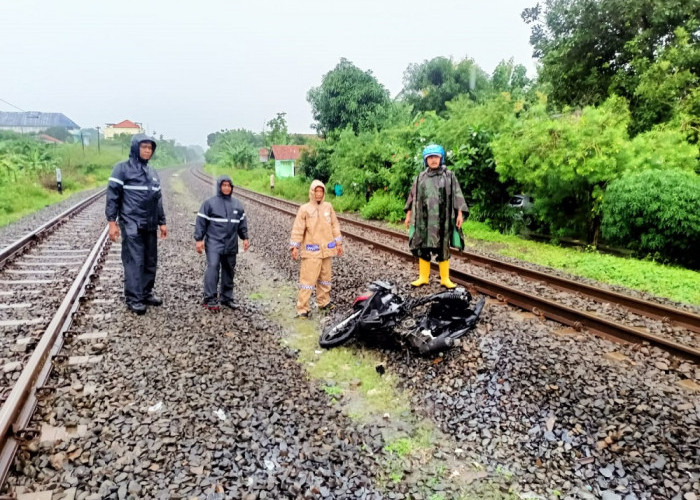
column 135, row 141
column 221, row 179
column 316, row 183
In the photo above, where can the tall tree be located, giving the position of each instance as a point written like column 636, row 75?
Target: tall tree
column 429, row 85
column 590, row 49
column 350, row 97
column 278, row 130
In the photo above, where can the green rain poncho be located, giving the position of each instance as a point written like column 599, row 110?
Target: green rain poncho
column 434, row 200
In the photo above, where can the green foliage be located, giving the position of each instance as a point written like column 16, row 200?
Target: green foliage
column 278, row 131
column 401, row 447
column 383, row 206
column 25, row 158
column 566, row 162
column 467, row 134
column 590, row 50
column 348, row 97
column 315, row 162
column 656, row 212
column 34, row 189
column 667, row 83
column 234, row 147
column 360, row 162
column 430, row 85
column 332, row 390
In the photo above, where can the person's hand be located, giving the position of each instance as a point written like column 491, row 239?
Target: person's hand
column 460, row 220
column 407, row 222
column 163, row 232
column 199, row 246
column 246, row 245
column 113, row 231
column 295, row 253
column 340, row 249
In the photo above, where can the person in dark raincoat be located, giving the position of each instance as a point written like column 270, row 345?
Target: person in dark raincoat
column 434, row 208
column 134, row 209
column 220, row 222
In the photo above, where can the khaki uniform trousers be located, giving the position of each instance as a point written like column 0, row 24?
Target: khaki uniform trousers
column 314, row 274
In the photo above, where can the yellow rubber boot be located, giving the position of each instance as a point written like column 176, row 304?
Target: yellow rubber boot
column 423, row 273
column 445, row 274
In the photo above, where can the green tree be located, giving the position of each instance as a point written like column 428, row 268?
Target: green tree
column 567, row 161
column 510, row 77
column 591, row 49
column 278, row 130
column 430, row 85
column 350, row 97
column 234, row 147
column 667, row 85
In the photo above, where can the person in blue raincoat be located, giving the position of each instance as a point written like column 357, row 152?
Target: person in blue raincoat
column 221, row 220
column 134, row 209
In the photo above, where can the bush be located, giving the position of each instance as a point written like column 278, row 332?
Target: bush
column 656, row 213
column 383, row 206
column 345, row 203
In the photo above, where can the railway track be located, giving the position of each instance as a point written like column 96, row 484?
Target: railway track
column 680, row 327
column 43, row 276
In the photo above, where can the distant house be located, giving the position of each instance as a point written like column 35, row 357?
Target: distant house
column 263, row 155
column 285, row 159
column 125, row 127
column 34, row 121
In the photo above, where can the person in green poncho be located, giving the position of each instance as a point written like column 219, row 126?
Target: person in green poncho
column 435, row 210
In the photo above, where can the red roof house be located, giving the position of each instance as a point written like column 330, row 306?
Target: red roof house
column 285, row 159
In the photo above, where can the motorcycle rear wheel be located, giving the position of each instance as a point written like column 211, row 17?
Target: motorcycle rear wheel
column 341, row 332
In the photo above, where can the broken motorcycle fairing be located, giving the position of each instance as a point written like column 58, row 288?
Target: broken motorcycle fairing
column 428, row 324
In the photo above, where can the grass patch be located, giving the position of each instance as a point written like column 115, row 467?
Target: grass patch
column 676, row 283
column 332, row 390
column 79, row 171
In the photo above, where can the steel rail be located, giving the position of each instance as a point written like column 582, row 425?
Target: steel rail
column 17, row 410
column 525, row 300
column 14, row 249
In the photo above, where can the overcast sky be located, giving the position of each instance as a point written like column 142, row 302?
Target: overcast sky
column 185, row 69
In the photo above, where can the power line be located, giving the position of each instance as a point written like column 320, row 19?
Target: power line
column 3, row 100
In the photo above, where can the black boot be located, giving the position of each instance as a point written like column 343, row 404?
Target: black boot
column 153, row 300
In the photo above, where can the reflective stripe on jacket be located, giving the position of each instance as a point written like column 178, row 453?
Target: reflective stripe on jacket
column 133, row 192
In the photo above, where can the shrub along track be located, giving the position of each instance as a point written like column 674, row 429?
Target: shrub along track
column 560, row 412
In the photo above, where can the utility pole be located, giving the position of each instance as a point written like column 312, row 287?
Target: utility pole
column 82, row 141
column 98, row 140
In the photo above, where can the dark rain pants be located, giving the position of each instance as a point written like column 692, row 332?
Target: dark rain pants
column 140, row 260
column 226, row 264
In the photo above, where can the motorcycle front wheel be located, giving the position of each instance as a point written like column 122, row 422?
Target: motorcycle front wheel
column 341, row 332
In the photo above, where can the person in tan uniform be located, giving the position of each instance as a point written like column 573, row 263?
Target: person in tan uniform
column 316, row 238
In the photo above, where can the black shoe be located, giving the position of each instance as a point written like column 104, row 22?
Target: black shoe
column 137, row 308
column 230, row 304
column 328, row 307
column 153, row 300
column 303, row 315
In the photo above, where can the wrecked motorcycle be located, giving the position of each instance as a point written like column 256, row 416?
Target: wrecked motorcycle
column 428, row 324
